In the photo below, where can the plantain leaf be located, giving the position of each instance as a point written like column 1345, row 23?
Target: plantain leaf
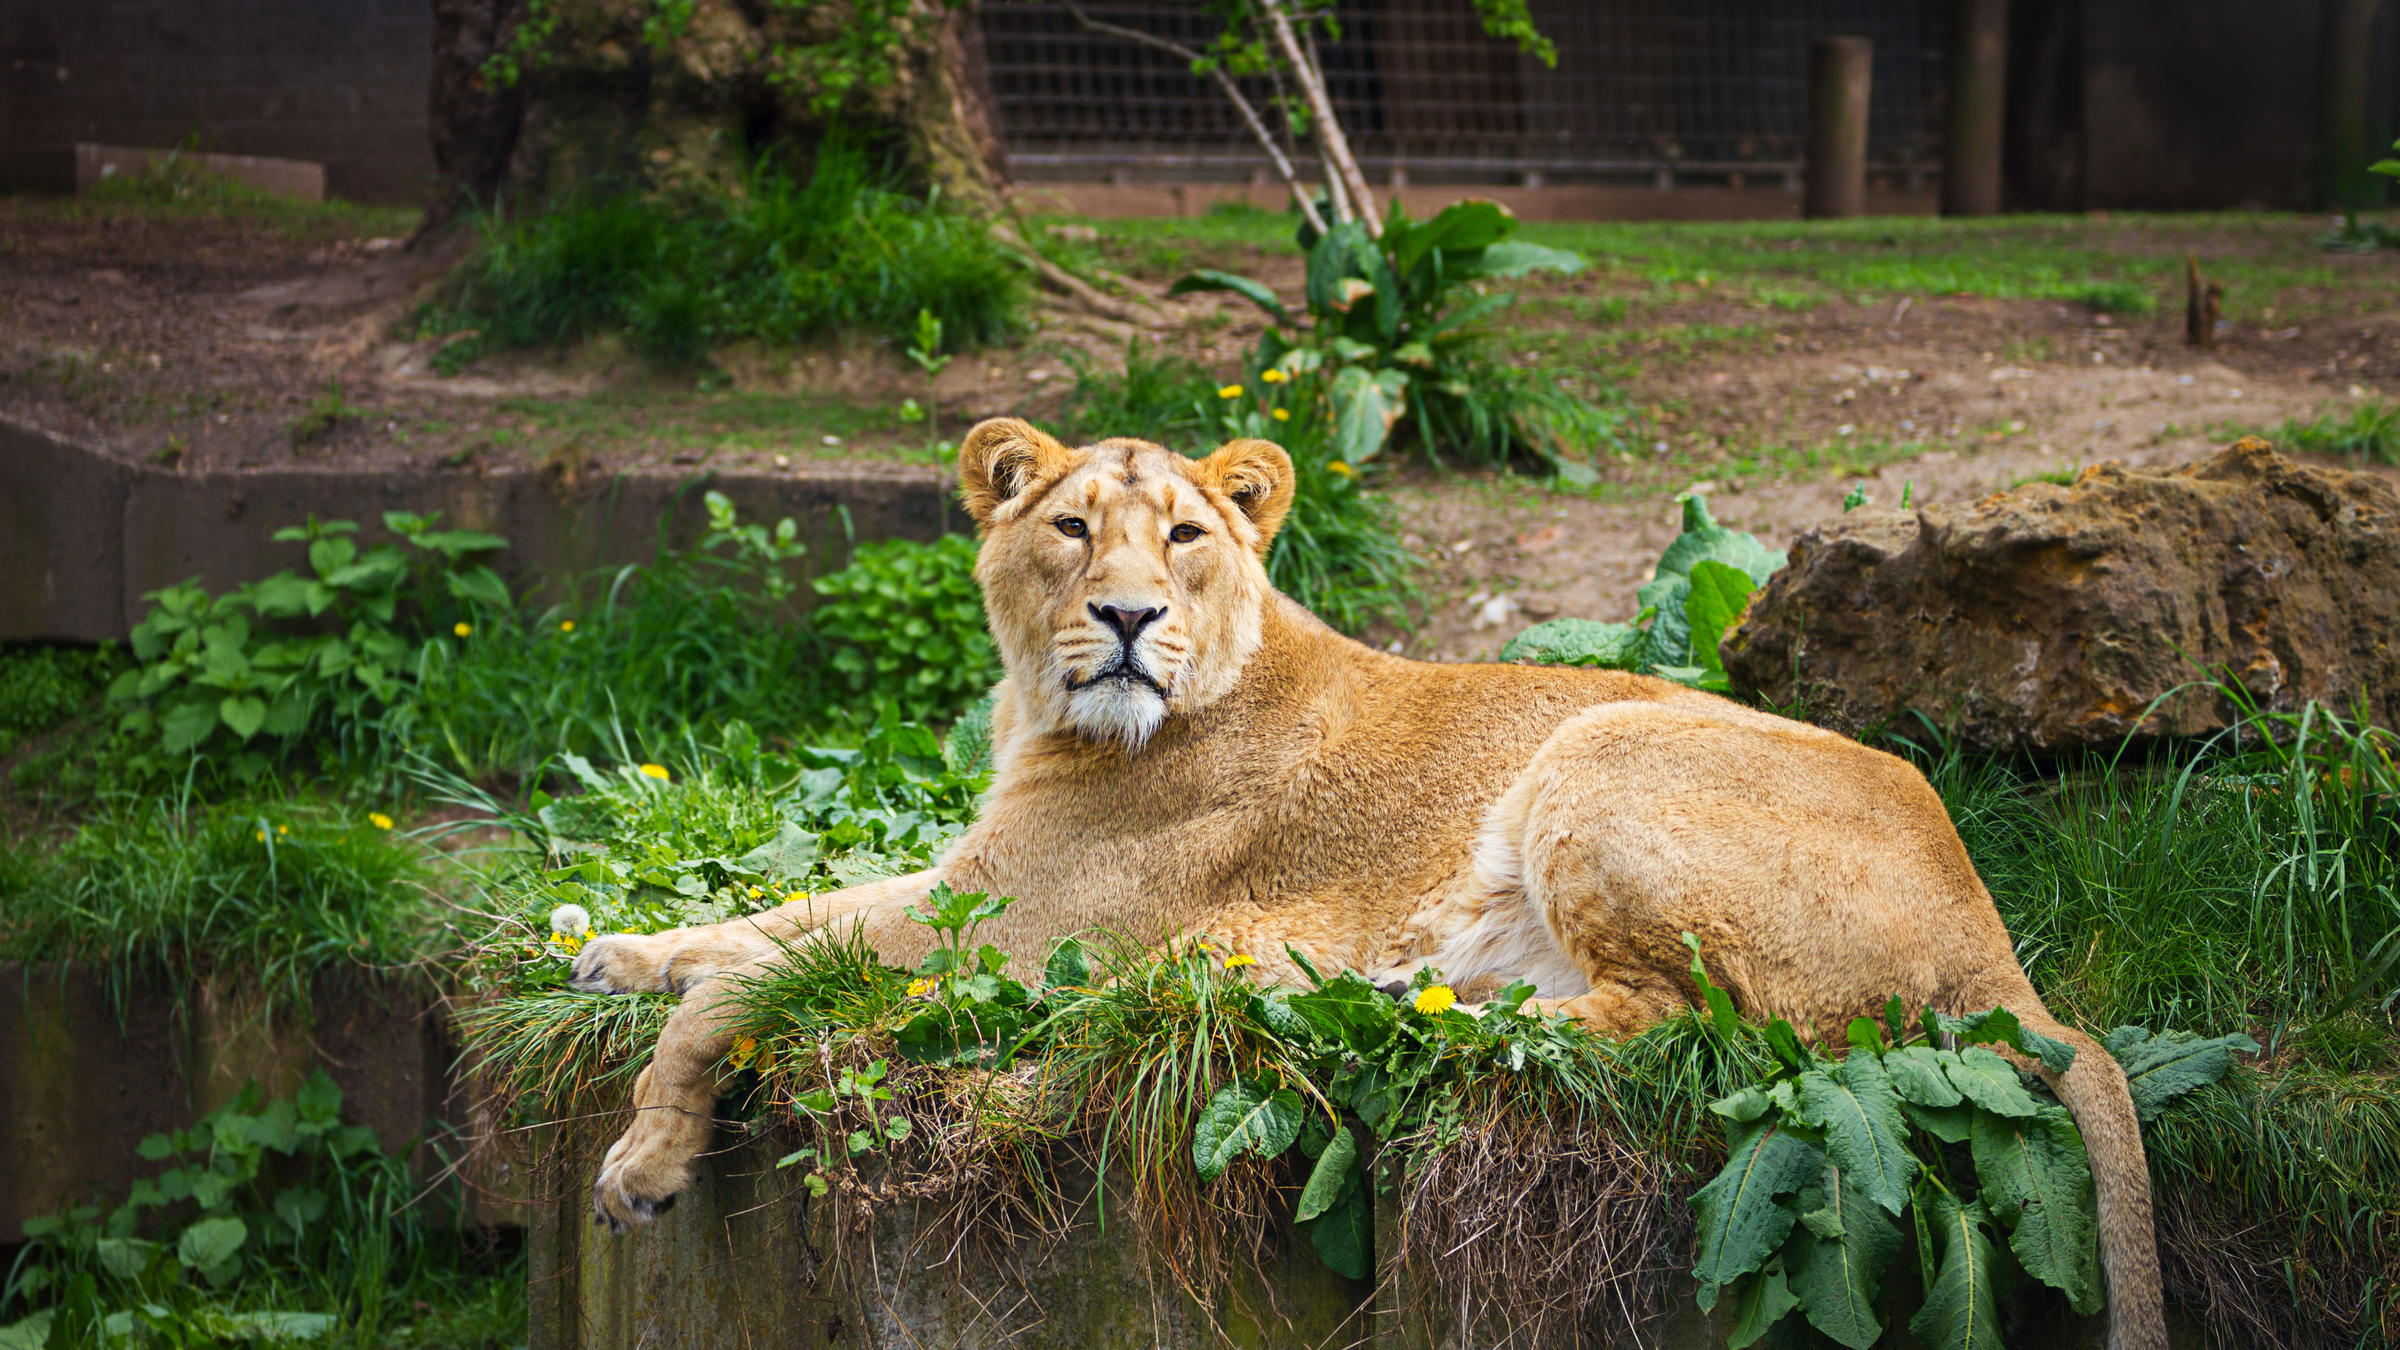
column 1961, row 1310
column 1246, row 1117
column 1718, row 594
column 2160, row 1068
column 1210, row 279
column 1758, row 1303
column 1578, row 642
column 1990, row 1082
column 1865, row 1134
column 1344, row 1235
column 1740, row 1223
column 2037, row 1181
column 2001, row 1027
column 1366, row 404
column 1327, row 1183
column 1835, row 1261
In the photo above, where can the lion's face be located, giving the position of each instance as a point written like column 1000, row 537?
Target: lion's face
column 1124, row 582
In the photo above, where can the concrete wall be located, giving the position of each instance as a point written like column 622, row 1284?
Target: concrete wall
column 340, row 82
column 84, row 536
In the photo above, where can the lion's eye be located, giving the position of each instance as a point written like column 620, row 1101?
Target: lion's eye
column 1070, row 526
column 1184, row 534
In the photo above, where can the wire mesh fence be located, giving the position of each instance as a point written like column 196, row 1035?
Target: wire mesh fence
column 1705, row 89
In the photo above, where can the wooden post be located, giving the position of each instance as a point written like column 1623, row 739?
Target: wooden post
column 1839, row 72
column 2343, row 82
column 1978, row 89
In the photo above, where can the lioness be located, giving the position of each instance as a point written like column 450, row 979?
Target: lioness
column 1179, row 747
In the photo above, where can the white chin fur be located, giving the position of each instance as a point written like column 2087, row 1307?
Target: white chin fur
column 1118, row 710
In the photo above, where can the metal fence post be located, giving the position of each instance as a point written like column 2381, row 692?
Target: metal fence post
column 1839, row 72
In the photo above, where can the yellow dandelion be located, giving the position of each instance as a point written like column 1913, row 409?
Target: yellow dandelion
column 1230, row 391
column 1343, row 468
column 283, row 829
column 462, row 628
column 756, row 892
column 920, row 988
column 1435, row 998
column 657, row 771
column 1282, row 414
column 744, row 1050
column 1237, row 962
column 379, row 820
column 1272, row 376
column 262, row 836
column 1205, row 947
column 566, row 625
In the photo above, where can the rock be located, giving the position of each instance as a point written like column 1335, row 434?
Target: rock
column 2048, row 619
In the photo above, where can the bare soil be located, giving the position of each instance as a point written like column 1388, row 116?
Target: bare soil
column 209, row 342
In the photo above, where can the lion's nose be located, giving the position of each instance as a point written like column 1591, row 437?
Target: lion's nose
column 1128, row 623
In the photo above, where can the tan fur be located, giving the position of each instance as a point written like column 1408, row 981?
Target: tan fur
column 1275, row 783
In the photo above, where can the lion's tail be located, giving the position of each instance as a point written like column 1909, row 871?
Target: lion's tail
column 2094, row 1091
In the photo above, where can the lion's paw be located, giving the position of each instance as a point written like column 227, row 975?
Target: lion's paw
column 635, row 1185
column 621, row 963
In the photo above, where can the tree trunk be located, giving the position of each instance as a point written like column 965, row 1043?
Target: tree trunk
column 474, row 121
column 945, row 111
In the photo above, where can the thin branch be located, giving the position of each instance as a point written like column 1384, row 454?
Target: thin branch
column 1329, row 130
column 1258, row 128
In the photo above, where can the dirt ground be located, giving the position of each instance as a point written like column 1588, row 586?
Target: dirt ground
column 188, row 342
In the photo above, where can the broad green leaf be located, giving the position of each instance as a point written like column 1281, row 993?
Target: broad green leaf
column 1461, row 226
column 2160, row 1068
column 186, row 725
column 1245, row 1117
column 243, row 715
column 276, row 1325
column 1990, row 1082
column 1740, row 1223
column 1515, row 258
column 1835, row 1261
column 1916, row 1074
column 210, row 1243
column 1759, row 1301
column 1348, row 1010
column 319, row 1100
column 1331, row 1175
column 1703, row 537
column 1745, row 1106
column 2001, row 1027
column 1210, row 279
column 791, row 853
column 2036, row 1180
column 1950, row 1124
column 1069, row 966
column 1717, row 595
column 1344, row 1235
column 1720, row 1003
column 1865, row 1134
column 1366, row 405
column 329, row 556
column 479, row 585
column 1962, row 1310
column 1578, row 642
column 126, row 1258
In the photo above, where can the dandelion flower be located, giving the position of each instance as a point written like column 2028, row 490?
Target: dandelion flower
column 657, row 771
column 1205, row 947
column 1272, row 376
column 283, row 829
column 744, row 1050
column 920, row 988
column 462, row 628
column 262, row 836
column 571, row 921
column 1237, row 962
column 756, row 892
column 1230, row 391
column 566, row 625
column 1435, row 998
column 379, row 820
column 1343, row 468
column 1282, row 414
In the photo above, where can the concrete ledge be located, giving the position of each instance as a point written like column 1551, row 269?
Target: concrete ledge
column 295, row 178
column 84, row 536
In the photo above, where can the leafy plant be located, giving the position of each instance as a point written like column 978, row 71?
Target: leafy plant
column 1395, row 331
column 42, row 688
column 1825, row 1156
column 271, row 1221
column 927, row 352
column 293, row 654
column 908, row 618
column 325, row 416
column 1703, row 584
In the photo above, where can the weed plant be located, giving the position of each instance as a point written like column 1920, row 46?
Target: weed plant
column 779, row 257
column 44, row 688
column 2367, row 429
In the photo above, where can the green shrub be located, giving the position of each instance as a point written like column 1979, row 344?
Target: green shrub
column 778, row 258
column 295, row 657
column 42, row 688
column 908, row 621
column 273, row 1221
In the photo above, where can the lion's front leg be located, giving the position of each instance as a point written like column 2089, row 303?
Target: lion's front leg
column 679, row 959
column 673, row 1109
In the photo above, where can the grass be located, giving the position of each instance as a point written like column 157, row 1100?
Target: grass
column 779, row 258
column 2366, row 429
column 265, row 893
column 180, row 190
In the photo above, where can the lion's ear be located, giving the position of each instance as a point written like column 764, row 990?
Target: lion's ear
column 1001, row 458
column 1257, row 476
